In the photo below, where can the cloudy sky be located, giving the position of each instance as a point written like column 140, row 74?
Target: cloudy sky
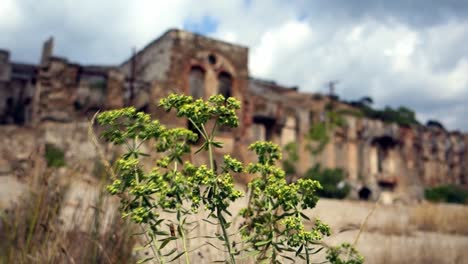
column 401, row 52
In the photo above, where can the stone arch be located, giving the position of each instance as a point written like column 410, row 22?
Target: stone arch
column 290, row 127
column 196, row 82
column 225, row 84
column 365, row 193
column 220, row 73
column 383, row 145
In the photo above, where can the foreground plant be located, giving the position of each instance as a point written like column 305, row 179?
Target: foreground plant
column 274, row 222
column 274, row 218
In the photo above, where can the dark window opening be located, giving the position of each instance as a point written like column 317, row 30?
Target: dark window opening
column 383, row 144
column 144, row 108
column 9, row 102
column 197, row 82
column 388, row 185
column 365, row 193
column 78, row 106
column 212, row 59
column 269, row 124
column 225, row 84
column 27, row 101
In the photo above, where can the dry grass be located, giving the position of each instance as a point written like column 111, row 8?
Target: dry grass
column 421, row 248
column 442, row 218
column 33, row 230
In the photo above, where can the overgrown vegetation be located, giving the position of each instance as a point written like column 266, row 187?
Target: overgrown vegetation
column 447, row 194
column 402, row 116
column 273, row 229
column 55, row 157
column 318, row 134
column 333, row 182
column 291, row 159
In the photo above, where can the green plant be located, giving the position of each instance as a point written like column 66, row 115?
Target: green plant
column 332, row 181
column 54, row 156
column 318, row 134
column 344, row 254
column 402, row 115
column 292, row 157
column 273, row 217
column 274, row 221
column 447, row 194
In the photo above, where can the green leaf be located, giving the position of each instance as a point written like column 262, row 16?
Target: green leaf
column 161, row 233
column 180, row 231
column 299, row 250
column 145, row 260
column 261, row 243
column 317, row 251
column 250, row 254
column 208, row 221
column 177, row 256
column 288, row 258
column 217, row 144
column 304, row 216
column 166, row 241
column 211, row 244
column 170, row 252
column 227, row 212
column 143, row 154
column 201, row 148
column 276, row 245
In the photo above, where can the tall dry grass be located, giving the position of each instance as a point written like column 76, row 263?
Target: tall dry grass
column 32, row 231
column 441, row 218
column 421, row 248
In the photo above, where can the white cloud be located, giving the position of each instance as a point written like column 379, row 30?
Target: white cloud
column 277, row 44
column 10, row 15
column 390, row 57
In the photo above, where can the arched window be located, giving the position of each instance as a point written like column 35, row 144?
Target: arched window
column 197, row 82
column 225, row 84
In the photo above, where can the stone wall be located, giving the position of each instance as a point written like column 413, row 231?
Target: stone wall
column 375, row 154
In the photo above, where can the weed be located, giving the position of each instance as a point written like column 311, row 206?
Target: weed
column 273, row 219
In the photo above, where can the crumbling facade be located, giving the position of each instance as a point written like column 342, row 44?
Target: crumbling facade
column 374, row 154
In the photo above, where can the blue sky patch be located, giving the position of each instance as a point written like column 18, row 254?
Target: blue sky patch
column 205, row 25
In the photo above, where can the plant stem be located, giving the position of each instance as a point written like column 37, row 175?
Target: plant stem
column 219, row 214
column 209, row 139
column 307, row 254
column 184, row 243
column 222, row 223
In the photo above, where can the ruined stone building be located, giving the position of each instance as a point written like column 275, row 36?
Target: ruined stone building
column 382, row 156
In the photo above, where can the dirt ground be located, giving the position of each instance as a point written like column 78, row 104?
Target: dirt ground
column 396, row 233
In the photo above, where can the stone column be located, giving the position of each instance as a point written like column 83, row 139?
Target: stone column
column 114, row 90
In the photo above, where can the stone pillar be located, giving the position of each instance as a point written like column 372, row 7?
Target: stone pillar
column 115, row 90
column 304, row 155
column 352, row 160
column 47, row 51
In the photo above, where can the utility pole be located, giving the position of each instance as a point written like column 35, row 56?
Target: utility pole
column 331, row 87
column 132, row 76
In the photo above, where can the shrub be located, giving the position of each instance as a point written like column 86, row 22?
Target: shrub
column 447, row 194
column 402, row 115
column 332, row 181
column 292, row 156
column 273, row 222
column 54, row 156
